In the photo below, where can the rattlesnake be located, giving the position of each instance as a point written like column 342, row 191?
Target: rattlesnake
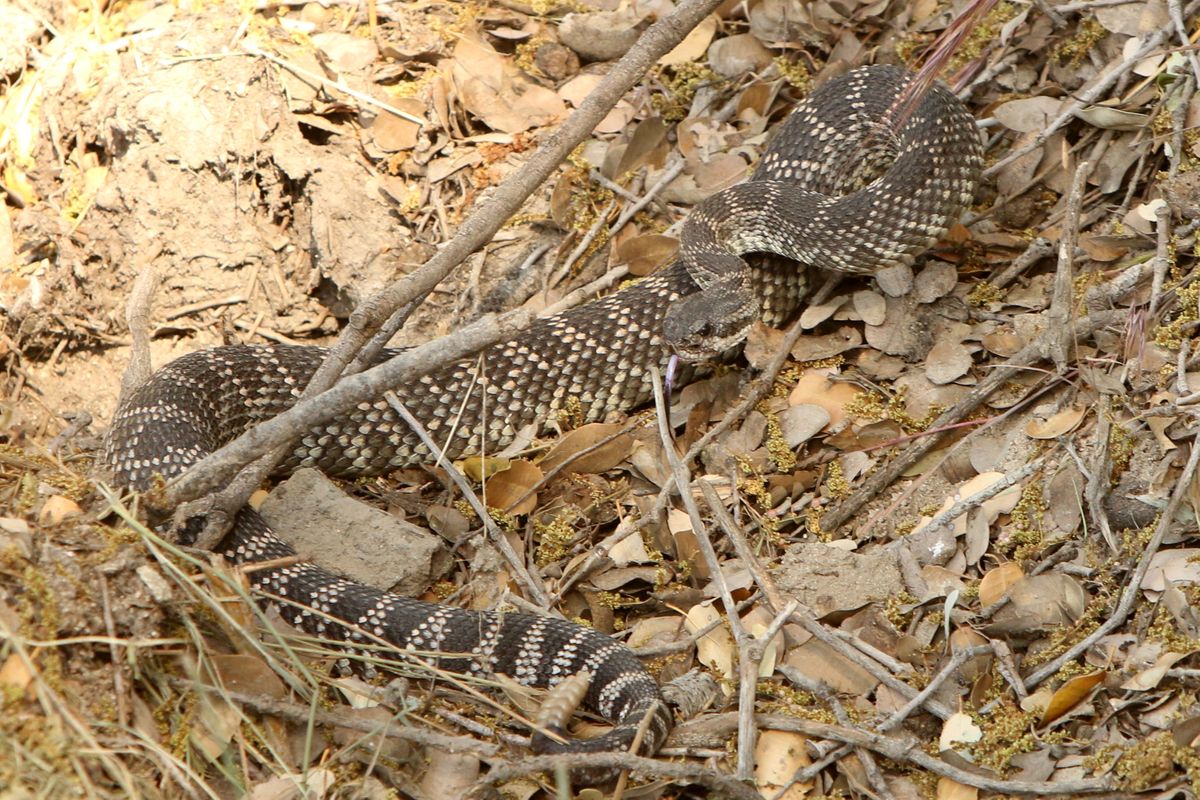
column 839, row 187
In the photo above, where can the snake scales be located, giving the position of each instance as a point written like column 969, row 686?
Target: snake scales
column 840, row 187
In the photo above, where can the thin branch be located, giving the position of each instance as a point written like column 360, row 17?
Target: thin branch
column 137, row 317
column 1062, row 303
column 748, row 682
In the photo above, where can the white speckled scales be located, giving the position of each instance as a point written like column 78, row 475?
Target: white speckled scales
column 819, row 196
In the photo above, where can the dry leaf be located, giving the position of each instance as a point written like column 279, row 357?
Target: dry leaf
column 645, row 254
column 778, row 755
column 630, row 550
column 1178, row 567
column 496, row 92
column 1003, row 343
column 816, row 313
column 346, row 52
column 603, row 458
column 997, row 581
column 600, row 35
column 871, row 306
column 1029, row 114
column 392, row 133
column 716, row 648
column 815, row 348
column 737, row 55
column 1149, row 678
column 947, row 361
column 1071, row 694
column 959, row 728
column 14, row 674
column 58, row 508
column 801, row 422
column 1039, row 602
column 950, row 789
column 479, row 468
column 815, row 387
column 694, row 45
column 821, row 663
column 504, row 490
column 1057, row 424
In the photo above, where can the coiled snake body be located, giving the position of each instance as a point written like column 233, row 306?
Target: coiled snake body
column 838, row 188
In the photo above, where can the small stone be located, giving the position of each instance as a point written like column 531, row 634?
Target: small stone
column 351, row 538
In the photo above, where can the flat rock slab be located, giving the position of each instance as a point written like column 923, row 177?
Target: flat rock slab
column 350, row 537
column 829, row 579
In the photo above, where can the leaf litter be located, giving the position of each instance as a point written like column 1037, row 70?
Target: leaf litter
column 1010, row 553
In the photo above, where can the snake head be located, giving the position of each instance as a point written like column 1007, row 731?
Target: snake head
column 710, row 322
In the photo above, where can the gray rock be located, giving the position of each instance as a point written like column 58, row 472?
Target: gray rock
column 827, row 579
column 352, row 538
column 598, row 36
